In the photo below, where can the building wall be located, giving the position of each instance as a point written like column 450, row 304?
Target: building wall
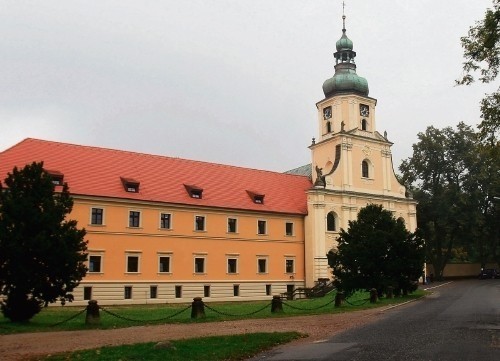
column 115, row 240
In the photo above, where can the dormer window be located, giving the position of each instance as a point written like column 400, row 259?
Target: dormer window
column 257, row 198
column 130, row 185
column 194, row 191
column 57, row 177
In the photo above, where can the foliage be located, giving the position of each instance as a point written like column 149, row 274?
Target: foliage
column 455, row 178
column 376, row 251
column 42, row 254
column 481, row 52
column 232, row 347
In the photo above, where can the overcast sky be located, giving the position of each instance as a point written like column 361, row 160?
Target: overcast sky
column 232, row 82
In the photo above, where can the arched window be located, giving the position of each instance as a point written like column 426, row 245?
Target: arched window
column 364, row 124
column 331, row 222
column 328, row 127
column 364, row 169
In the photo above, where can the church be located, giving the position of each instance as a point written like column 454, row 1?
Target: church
column 166, row 230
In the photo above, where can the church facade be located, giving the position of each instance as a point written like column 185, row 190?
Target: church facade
column 351, row 161
column 164, row 229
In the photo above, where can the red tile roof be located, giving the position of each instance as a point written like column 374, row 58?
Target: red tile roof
column 94, row 171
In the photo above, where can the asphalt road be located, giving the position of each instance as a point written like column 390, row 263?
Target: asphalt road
column 458, row 321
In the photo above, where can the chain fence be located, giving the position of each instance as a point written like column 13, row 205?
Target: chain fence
column 145, row 321
column 69, row 318
column 235, row 315
column 308, row 309
column 364, row 301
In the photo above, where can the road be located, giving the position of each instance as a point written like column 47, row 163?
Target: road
column 458, row 321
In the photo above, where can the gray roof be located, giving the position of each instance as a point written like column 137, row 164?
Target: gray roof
column 305, row 170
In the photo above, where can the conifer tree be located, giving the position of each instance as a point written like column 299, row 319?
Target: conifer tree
column 42, row 254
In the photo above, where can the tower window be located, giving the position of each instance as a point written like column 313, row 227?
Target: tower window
column 328, row 127
column 364, row 124
column 364, row 169
column 330, row 222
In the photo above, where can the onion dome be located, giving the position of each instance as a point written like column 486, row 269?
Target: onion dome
column 345, row 79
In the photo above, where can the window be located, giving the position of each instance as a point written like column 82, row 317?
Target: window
column 289, row 228
column 262, row 265
column 164, row 264
column 130, row 185
column 364, row 169
column 178, row 291
column 199, row 223
column 256, row 197
column 289, row 265
column 165, row 220
column 199, row 265
column 87, row 293
column 232, row 265
column 206, row 291
column 328, row 127
column 127, row 292
column 268, row 290
column 330, row 222
column 153, row 291
column 134, row 219
column 261, row 227
column 364, row 124
column 94, row 264
column 236, row 290
column 96, row 216
column 132, row 264
column 194, row 191
column 231, row 225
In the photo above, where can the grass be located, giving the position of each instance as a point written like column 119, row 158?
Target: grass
column 235, row 347
column 49, row 318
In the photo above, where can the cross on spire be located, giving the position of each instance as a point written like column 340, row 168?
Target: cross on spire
column 343, row 15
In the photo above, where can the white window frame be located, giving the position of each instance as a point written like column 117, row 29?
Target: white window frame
column 266, row 259
column 103, row 217
column 204, row 223
column 171, row 221
column 169, row 255
column 140, row 219
column 101, row 262
column 236, row 225
column 204, row 257
column 236, row 258
column 129, row 254
column 265, row 226
column 289, row 258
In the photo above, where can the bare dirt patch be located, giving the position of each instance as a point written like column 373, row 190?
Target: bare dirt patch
column 317, row 327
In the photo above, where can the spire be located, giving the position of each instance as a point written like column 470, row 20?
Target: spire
column 345, row 79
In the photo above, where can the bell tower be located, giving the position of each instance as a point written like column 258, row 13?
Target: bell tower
column 351, row 162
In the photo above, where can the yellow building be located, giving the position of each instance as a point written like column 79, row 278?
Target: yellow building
column 164, row 229
column 351, row 161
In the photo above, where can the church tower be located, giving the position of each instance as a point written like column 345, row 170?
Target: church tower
column 351, row 163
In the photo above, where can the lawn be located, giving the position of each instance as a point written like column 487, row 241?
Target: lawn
column 235, row 347
column 60, row 318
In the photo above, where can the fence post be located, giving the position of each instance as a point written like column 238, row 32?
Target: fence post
column 339, row 298
column 276, row 305
column 373, row 295
column 197, row 308
column 390, row 292
column 92, row 317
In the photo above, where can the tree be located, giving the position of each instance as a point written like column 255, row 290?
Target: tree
column 454, row 178
column 482, row 54
column 42, row 254
column 376, row 251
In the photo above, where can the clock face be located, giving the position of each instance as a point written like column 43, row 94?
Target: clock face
column 364, row 110
column 327, row 113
